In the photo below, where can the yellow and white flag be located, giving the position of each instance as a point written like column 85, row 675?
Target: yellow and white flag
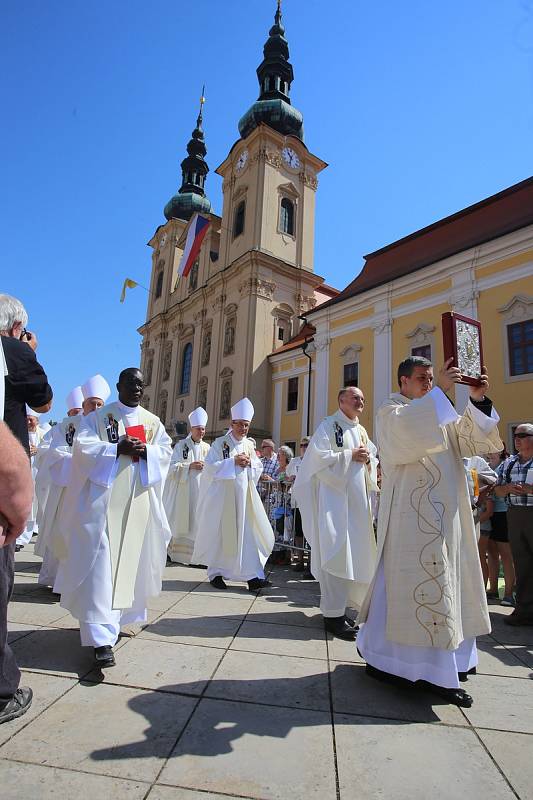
column 128, row 284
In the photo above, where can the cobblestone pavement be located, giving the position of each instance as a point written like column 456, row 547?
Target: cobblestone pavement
column 229, row 694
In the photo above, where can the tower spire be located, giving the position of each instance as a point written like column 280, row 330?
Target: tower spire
column 275, row 76
column 191, row 195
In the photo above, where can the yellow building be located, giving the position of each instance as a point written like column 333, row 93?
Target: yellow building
column 478, row 262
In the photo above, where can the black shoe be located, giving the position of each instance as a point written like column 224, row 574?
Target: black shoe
column 104, row 657
column 463, row 676
column 340, row 628
column 18, row 548
column 258, row 583
column 457, row 697
column 351, row 622
column 218, row 582
column 18, row 705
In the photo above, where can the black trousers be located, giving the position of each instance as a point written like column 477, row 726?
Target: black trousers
column 520, row 529
column 9, row 672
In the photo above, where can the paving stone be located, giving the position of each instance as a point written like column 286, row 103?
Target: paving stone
column 339, row 650
column 54, row 650
column 165, row 601
column 287, row 640
column 20, row 781
column 35, row 611
column 110, row 730
column 355, row 693
column 496, row 659
column 177, row 793
column 512, row 752
column 281, row 612
column 151, row 664
column 389, row 759
column 235, row 591
column 199, row 605
column 16, row 630
column 501, row 703
column 256, row 751
column 277, row 680
column 179, row 572
column 46, row 690
column 207, row 631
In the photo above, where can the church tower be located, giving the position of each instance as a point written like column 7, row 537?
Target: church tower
column 208, row 337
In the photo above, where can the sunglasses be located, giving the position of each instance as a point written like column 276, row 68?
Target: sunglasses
column 522, row 435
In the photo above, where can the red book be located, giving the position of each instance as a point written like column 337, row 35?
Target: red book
column 137, row 432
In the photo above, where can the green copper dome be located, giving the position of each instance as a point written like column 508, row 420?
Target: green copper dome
column 183, row 206
column 275, row 75
column 276, row 113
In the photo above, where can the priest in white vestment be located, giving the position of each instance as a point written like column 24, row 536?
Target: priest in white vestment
column 117, row 526
column 54, row 477
column 182, row 487
column 93, row 390
column 427, row 601
column 233, row 534
column 36, row 434
column 333, row 488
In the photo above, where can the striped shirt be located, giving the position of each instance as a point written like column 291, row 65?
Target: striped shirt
column 512, row 470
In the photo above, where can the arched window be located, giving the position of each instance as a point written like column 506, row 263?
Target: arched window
column 186, row 368
column 286, row 216
column 238, row 225
column 159, row 285
column 193, row 276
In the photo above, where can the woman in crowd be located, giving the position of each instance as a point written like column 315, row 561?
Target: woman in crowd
column 498, row 544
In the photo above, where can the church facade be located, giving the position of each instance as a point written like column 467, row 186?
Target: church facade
column 207, row 337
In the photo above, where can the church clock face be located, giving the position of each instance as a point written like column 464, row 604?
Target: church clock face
column 241, row 161
column 290, row 157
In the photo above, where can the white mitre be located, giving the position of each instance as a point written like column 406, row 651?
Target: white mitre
column 97, row 386
column 31, row 413
column 198, row 417
column 74, row 398
column 243, row 410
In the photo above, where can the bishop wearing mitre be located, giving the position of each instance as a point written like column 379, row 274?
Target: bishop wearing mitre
column 182, row 487
column 234, row 537
column 333, row 489
column 118, row 527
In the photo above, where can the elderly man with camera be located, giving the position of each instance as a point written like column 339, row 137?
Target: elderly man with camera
column 24, row 382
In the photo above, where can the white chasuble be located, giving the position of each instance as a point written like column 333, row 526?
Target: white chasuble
column 121, row 500
column 426, row 538
column 36, row 438
column 233, row 534
column 333, row 495
column 180, row 497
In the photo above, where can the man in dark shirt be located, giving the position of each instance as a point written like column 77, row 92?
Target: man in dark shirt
column 25, row 382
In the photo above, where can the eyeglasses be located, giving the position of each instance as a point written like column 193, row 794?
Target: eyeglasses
column 522, row 435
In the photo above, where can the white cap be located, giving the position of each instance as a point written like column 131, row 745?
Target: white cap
column 243, row 410
column 198, row 417
column 74, row 398
column 31, row 413
column 97, row 386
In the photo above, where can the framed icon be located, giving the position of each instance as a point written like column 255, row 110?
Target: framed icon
column 462, row 342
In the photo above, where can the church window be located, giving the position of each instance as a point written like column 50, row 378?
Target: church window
column 193, row 276
column 281, row 334
column 520, row 341
column 159, row 285
column 186, row 369
column 229, row 336
column 424, row 351
column 286, row 216
column 351, row 374
column 271, row 83
column 292, row 394
column 206, row 348
column 225, row 400
column 238, row 225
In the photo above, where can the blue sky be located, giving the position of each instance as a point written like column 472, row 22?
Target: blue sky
column 419, row 108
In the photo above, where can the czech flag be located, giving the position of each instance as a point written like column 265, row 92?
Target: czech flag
column 195, row 236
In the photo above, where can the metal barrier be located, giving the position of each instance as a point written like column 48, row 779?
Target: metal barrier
column 283, row 515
